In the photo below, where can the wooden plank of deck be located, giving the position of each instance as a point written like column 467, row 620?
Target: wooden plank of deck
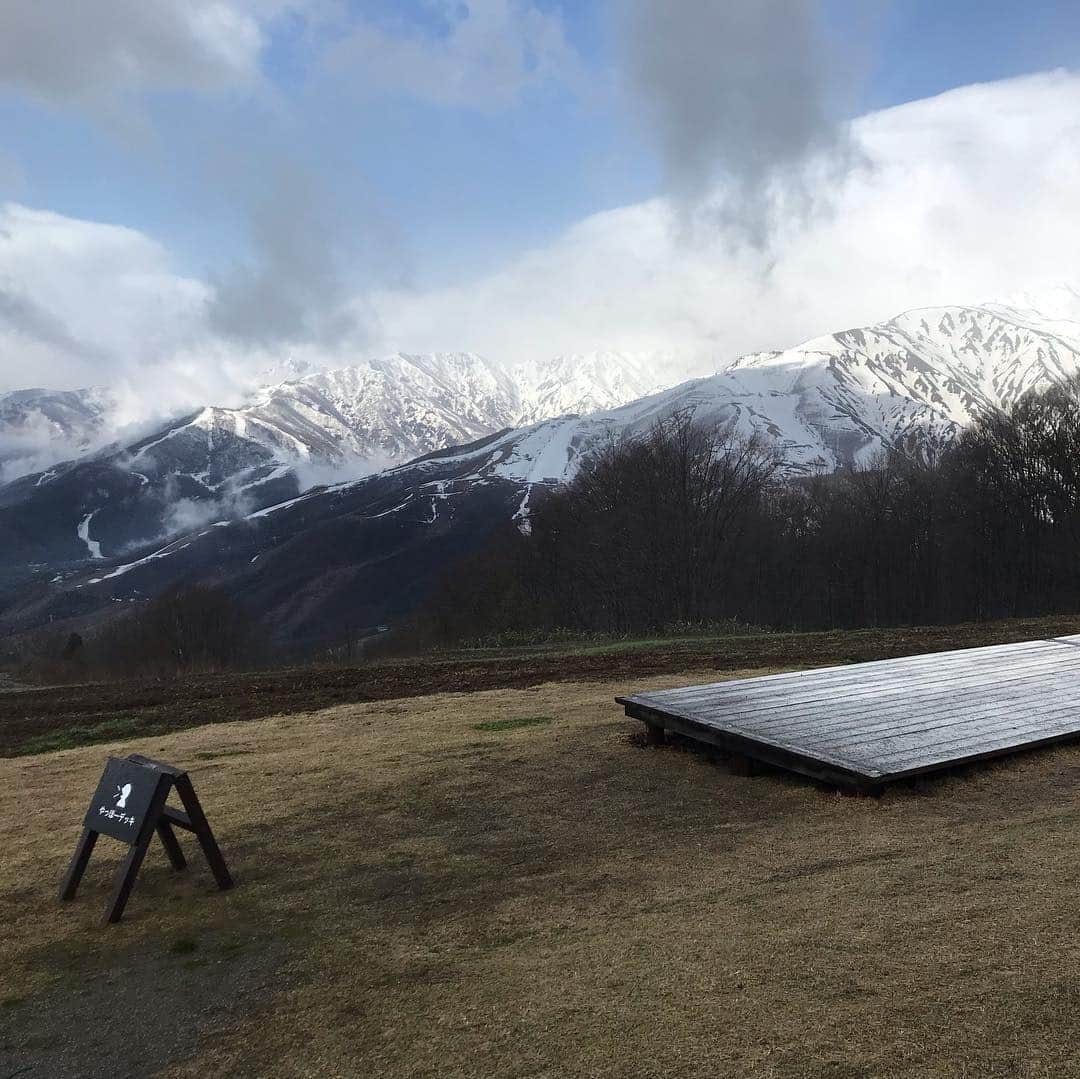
column 859, row 677
column 842, row 687
column 888, row 701
column 881, row 721
column 891, row 710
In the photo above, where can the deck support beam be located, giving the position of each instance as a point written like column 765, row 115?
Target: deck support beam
column 733, row 745
column 743, row 765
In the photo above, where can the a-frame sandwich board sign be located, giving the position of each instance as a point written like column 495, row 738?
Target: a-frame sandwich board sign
column 129, row 805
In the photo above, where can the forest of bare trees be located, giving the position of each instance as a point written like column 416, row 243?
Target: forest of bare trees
column 189, row 629
column 689, row 526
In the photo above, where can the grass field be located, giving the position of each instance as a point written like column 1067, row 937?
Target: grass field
column 506, row 883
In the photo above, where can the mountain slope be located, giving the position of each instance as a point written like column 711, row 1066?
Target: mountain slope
column 385, row 411
column 912, row 381
column 195, row 470
column 319, row 566
column 362, row 418
column 390, row 410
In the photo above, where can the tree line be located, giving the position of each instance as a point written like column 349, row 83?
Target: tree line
column 688, row 525
column 189, row 629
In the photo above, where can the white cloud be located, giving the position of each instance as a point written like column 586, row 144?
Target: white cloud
column 88, row 304
column 964, row 197
column 76, row 295
column 491, row 53
column 87, row 53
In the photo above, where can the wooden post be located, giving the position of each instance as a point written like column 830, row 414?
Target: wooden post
column 125, row 880
column 743, row 765
column 129, row 867
column 169, row 842
column 655, row 735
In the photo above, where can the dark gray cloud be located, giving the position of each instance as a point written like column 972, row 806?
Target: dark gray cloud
column 85, row 52
column 28, row 319
column 294, row 287
column 741, row 98
column 252, row 166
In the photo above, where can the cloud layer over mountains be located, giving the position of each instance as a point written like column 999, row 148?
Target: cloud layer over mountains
column 961, row 198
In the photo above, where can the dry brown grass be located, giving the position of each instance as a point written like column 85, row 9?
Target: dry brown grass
column 554, row 900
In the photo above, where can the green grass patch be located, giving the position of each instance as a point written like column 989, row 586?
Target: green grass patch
column 512, row 724
column 577, row 641
column 232, row 947
column 83, row 735
column 183, row 945
column 13, row 1002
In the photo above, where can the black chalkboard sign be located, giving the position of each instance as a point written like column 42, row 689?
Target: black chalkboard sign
column 129, row 804
column 122, row 799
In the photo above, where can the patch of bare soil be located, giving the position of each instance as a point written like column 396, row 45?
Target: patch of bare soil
column 58, row 717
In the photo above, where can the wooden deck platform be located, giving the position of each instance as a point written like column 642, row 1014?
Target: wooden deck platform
column 869, row 724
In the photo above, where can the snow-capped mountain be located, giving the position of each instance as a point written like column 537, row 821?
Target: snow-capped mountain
column 389, row 410
column 218, row 495
column 385, row 411
column 357, row 419
column 106, row 503
column 592, row 381
column 39, row 427
column 910, row 383
column 223, row 463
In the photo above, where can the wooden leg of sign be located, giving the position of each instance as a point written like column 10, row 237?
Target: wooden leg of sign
column 169, row 842
column 83, row 849
column 125, row 879
column 129, row 867
column 201, row 827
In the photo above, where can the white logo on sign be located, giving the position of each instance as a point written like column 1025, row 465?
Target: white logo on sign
column 122, row 795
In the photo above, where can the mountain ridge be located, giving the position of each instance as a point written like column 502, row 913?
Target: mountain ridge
column 361, row 417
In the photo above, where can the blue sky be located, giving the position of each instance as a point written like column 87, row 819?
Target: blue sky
column 928, row 46
column 517, row 177
column 448, row 189
column 457, row 186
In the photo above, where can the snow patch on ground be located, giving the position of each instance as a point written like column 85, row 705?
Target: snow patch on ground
column 162, row 552
column 522, row 515
column 84, row 534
